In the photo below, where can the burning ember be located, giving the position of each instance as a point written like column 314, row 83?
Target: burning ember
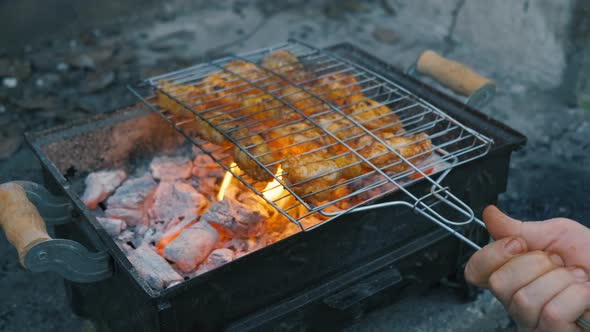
column 193, row 217
column 184, row 217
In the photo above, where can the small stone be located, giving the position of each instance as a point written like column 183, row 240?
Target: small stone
column 385, row 35
column 81, row 61
column 104, row 101
column 62, row 66
column 48, row 81
column 2, row 109
column 18, row 69
column 39, row 103
column 43, row 61
column 124, row 56
column 9, row 145
column 173, row 40
column 102, row 54
column 10, row 82
column 518, row 88
column 98, row 81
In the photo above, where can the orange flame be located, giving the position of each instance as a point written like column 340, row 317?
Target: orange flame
column 227, row 180
column 274, row 189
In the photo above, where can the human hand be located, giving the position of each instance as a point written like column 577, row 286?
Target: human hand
column 539, row 271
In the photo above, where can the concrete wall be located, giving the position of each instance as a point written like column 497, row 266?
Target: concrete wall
column 523, row 35
column 544, row 41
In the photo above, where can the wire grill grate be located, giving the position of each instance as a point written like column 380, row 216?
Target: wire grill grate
column 290, row 107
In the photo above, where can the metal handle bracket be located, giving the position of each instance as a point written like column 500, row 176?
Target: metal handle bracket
column 27, row 208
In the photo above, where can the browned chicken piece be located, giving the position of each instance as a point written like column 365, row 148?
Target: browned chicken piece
column 337, row 88
column 235, row 80
column 339, row 126
column 294, row 139
column 261, row 107
column 183, row 93
column 321, row 172
column 221, row 120
column 310, row 173
column 349, row 164
column 413, row 148
column 282, row 61
column 214, row 111
column 372, row 114
column 260, row 150
column 287, row 65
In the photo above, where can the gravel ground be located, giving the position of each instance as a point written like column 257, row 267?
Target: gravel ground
column 63, row 80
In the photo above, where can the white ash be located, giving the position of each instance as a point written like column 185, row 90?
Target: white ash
column 132, row 192
column 242, row 244
column 126, row 235
column 206, row 167
column 208, row 186
column 176, row 200
column 238, row 219
column 177, row 225
column 127, row 203
column 217, row 258
column 162, row 219
column 132, row 217
column 100, row 185
column 153, row 268
column 192, row 246
column 171, row 168
column 149, row 237
column 113, row 227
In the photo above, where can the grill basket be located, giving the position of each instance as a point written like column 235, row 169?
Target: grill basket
column 274, row 97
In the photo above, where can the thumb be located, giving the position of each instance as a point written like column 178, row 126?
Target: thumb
column 559, row 235
column 537, row 235
column 500, row 225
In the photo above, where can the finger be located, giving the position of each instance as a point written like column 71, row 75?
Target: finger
column 519, row 272
column 490, row 258
column 562, row 311
column 528, row 302
column 565, row 237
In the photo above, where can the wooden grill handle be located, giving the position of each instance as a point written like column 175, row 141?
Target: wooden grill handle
column 20, row 219
column 454, row 75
